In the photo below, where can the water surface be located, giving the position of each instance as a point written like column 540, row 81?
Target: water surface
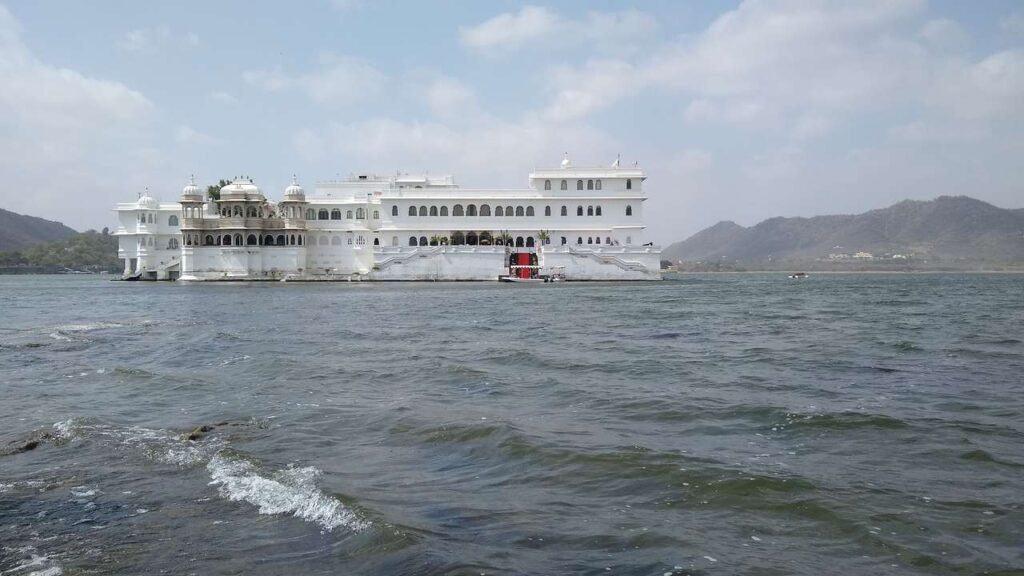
column 718, row 424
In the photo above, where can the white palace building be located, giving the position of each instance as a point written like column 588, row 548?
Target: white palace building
column 584, row 223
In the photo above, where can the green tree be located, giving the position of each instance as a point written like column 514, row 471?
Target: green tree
column 213, row 191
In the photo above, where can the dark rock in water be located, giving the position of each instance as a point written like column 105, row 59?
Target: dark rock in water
column 21, row 446
column 199, row 431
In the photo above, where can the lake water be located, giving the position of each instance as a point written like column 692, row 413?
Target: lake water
column 717, row 424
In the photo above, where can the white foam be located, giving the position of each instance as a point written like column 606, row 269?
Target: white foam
column 87, row 327
column 290, row 491
column 51, row 571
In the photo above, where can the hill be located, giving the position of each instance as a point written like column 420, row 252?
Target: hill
column 952, row 231
column 89, row 251
column 18, row 231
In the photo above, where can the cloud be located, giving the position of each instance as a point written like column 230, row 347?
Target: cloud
column 543, row 28
column 223, row 98
column 57, row 131
column 1012, row 24
column 188, row 135
column 489, row 152
column 510, row 31
column 147, row 39
column 339, row 81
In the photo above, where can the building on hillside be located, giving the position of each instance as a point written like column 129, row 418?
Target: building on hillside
column 585, row 222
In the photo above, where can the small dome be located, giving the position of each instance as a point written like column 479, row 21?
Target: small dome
column 294, row 191
column 565, row 161
column 191, row 189
column 148, row 202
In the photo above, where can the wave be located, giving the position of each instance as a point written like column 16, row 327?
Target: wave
column 289, row 491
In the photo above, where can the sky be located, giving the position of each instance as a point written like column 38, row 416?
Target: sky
column 736, row 110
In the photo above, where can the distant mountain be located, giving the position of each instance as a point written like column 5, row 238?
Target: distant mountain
column 18, row 231
column 949, row 228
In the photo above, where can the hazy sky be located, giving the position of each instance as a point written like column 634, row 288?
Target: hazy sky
column 737, row 111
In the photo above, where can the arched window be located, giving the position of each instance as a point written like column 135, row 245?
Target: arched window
column 412, row 210
column 590, row 184
column 472, row 239
column 508, row 211
column 348, row 214
column 172, row 220
column 457, row 210
column 597, row 211
column 376, row 241
column 360, row 214
column 597, row 240
column 444, row 210
column 590, row 240
column 579, row 240
column 564, row 240
column 310, row 214
column 349, row 240
column 394, row 240
column 291, row 240
column 361, row 240
column 458, row 238
column 629, row 210
column 423, row 240
column 629, row 184
column 471, row 210
column 547, row 184
column 565, row 185
column 394, row 210
column 579, row 184
column 322, row 215
column 433, row 210
column 579, row 210
column 608, row 240
column 251, row 212
column 485, row 210
column 300, row 239
column 336, row 214
column 324, row 240
column 238, row 239
column 565, row 211
column 250, row 240
column 598, row 185
column 590, row 210
column 268, row 240
column 172, row 244
column 629, row 240
column 335, row 240
column 547, row 210
column 149, row 220
column 237, row 211
column 225, row 240
column 208, row 241
column 529, row 211
column 423, row 210
column 529, row 242
column 412, row 241
column 519, row 242
column 142, row 218
column 280, row 240
column 519, row 211
column 376, row 214
column 499, row 211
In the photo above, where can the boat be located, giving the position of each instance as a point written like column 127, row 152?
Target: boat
column 798, row 275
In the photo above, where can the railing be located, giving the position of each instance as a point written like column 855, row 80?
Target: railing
column 630, row 265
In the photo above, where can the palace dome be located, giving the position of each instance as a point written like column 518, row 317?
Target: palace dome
column 241, row 189
column 294, row 191
column 147, row 202
column 191, row 190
